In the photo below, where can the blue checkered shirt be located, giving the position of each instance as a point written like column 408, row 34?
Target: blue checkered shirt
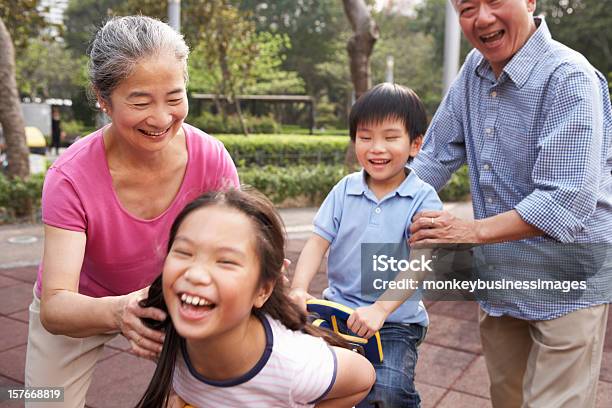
column 538, row 140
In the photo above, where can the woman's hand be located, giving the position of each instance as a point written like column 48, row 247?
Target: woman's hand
column 145, row 341
column 299, row 296
column 439, row 227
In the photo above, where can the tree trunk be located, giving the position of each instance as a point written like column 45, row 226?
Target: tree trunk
column 243, row 125
column 361, row 44
column 359, row 47
column 10, row 109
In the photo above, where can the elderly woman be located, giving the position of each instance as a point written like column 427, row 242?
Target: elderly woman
column 109, row 201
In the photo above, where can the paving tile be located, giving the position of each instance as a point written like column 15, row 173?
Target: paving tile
column 22, row 315
column 26, row 274
column 126, row 375
column 12, row 363
column 475, row 380
column 430, row 394
column 454, row 333
column 604, row 395
column 464, row 310
column 6, row 281
column 606, row 367
column 441, row 366
column 15, row 298
column 456, row 399
column 13, row 333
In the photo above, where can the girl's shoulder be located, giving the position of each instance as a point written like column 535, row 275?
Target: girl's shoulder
column 295, row 347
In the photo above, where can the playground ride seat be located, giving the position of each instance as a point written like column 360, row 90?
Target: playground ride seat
column 333, row 316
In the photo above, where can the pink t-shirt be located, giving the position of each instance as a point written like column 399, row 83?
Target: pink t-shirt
column 123, row 253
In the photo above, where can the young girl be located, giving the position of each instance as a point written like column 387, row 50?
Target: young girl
column 233, row 337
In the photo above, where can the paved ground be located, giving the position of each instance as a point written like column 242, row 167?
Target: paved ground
column 450, row 373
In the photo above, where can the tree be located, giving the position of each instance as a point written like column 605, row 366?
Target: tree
column 361, row 44
column 82, row 20
column 315, row 29
column 416, row 65
column 11, row 118
column 23, row 19
column 46, row 69
column 583, row 25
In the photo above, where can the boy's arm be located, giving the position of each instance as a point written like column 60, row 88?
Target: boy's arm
column 306, row 268
column 365, row 321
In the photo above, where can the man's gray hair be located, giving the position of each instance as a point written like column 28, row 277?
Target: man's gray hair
column 122, row 42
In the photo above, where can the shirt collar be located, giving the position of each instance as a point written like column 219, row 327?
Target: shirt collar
column 524, row 61
column 358, row 186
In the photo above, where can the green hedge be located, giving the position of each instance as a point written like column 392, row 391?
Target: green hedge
column 312, row 183
column 305, row 184
column 285, row 150
column 214, row 124
column 20, row 199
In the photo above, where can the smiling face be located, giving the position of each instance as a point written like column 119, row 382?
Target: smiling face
column 497, row 28
column 211, row 274
column 147, row 108
column 383, row 149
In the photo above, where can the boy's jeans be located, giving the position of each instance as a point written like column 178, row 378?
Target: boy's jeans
column 394, row 385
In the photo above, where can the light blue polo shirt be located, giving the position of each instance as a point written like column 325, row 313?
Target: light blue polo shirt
column 351, row 215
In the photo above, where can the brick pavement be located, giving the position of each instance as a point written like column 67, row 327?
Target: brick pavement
column 450, row 374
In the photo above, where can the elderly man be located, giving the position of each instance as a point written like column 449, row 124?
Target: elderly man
column 533, row 121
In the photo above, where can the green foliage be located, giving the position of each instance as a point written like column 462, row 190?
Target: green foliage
column 20, row 198
column 285, row 150
column 23, row 20
column 311, row 183
column 256, row 72
column 583, row 25
column 214, row 124
column 82, row 18
column 313, row 27
column 415, row 63
column 458, row 187
column 74, row 128
column 46, row 69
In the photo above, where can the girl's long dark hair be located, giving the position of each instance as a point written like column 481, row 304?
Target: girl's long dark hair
column 270, row 248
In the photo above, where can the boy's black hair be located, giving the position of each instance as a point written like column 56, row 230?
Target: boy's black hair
column 389, row 101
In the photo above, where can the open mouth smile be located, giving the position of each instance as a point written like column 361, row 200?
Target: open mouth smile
column 379, row 162
column 195, row 301
column 154, row 135
column 492, row 37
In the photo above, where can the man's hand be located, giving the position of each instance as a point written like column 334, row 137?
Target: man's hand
column 440, row 227
column 367, row 320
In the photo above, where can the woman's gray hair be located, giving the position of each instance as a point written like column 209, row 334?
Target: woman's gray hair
column 122, row 42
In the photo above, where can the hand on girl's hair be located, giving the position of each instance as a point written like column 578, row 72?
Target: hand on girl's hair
column 145, row 341
column 299, row 296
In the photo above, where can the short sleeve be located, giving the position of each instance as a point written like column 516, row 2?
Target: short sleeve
column 316, row 375
column 61, row 205
column 227, row 175
column 327, row 220
column 431, row 201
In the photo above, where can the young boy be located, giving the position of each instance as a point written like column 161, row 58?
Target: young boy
column 375, row 205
